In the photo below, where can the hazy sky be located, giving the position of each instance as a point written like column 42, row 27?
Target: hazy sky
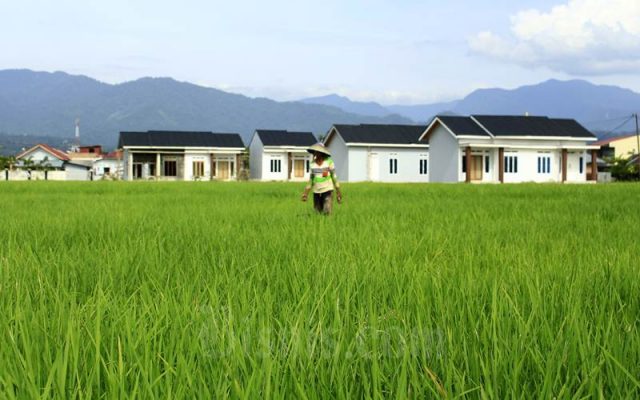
column 402, row 51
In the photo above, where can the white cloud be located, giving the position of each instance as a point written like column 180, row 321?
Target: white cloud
column 581, row 37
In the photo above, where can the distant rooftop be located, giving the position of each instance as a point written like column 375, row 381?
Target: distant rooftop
column 179, row 139
column 510, row 125
column 381, row 134
column 285, row 138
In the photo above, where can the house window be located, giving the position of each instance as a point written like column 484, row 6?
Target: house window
column 464, row 164
column 581, row 164
column 393, row 166
column 170, row 168
column 511, row 164
column 107, row 170
column 232, row 168
column 544, row 165
column 423, row 167
column 198, row 168
column 486, row 164
column 276, row 165
column 307, row 166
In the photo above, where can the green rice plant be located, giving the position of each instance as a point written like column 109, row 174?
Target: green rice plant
column 201, row 289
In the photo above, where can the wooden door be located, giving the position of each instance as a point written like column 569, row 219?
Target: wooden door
column 476, row 172
column 223, row 170
column 298, row 168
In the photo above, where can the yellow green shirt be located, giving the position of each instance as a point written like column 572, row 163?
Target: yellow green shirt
column 323, row 177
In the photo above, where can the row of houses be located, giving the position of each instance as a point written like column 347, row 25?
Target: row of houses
column 450, row 149
column 80, row 163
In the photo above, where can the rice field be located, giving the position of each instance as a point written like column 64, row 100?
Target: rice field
column 211, row 290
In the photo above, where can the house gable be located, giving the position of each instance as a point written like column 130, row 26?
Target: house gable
column 39, row 151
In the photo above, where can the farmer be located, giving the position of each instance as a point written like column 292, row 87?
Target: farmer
column 322, row 180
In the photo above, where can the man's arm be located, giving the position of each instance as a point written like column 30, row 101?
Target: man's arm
column 336, row 183
column 307, row 188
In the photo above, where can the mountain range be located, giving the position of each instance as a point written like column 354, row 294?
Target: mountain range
column 34, row 105
column 42, row 103
column 598, row 107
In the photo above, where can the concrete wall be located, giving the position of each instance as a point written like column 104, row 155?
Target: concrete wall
column 363, row 165
column 115, row 168
column 267, row 175
column 255, row 157
column 21, row 175
column 189, row 158
column 340, row 156
column 528, row 166
column 358, row 166
column 444, row 156
column 74, row 173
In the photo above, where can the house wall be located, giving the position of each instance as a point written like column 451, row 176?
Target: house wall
column 189, row 158
column 38, row 155
column 625, row 147
column 115, row 168
column 358, row 165
column 362, row 168
column 528, row 165
column 267, row 175
column 340, row 156
column 573, row 166
column 255, row 157
column 444, row 156
column 74, row 173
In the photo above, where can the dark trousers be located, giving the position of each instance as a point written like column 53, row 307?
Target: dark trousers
column 323, row 202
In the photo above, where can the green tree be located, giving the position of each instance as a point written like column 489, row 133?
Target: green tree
column 623, row 168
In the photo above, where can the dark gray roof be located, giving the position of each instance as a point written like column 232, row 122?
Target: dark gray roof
column 286, row 138
column 381, row 134
column 510, row 125
column 179, row 139
column 501, row 125
column 462, row 126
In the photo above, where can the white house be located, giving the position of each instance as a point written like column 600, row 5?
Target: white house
column 280, row 155
column 490, row 148
column 108, row 166
column 379, row 153
column 179, row 155
column 45, row 162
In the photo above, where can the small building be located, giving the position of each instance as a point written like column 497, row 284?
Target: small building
column 379, row 153
column 277, row 155
column 181, row 155
column 490, row 148
column 91, row 151
column 619, row 146
column 108, row 166
column 45, row 162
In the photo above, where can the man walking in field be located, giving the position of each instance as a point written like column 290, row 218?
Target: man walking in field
column 323, row 180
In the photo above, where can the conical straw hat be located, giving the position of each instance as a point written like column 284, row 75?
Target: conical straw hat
column 319, row 148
